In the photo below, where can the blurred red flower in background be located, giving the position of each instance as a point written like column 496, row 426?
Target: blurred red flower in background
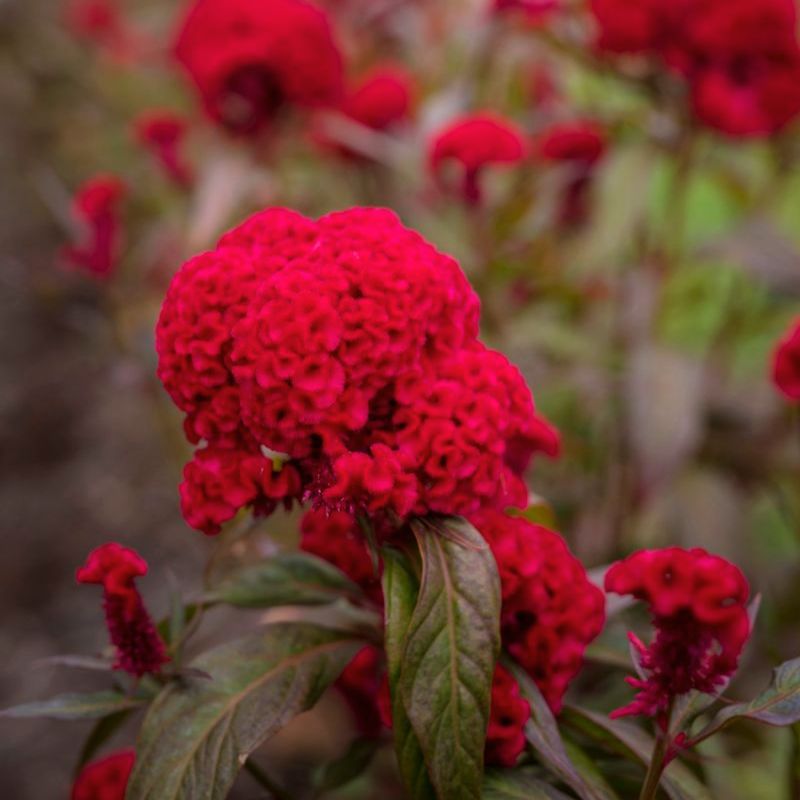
column 96, row 206
column 163, row 132
column 698, row 607
column 786, row 362
column 250, row 61
column 106, row 778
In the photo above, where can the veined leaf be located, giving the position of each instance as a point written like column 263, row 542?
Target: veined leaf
column 75, row 706
column 197, row 735
column 451, row 647
column 284, row 579
column 778, row 704
column 542, row 733
column 400, row 588
column 518, row 784
column 635, row 744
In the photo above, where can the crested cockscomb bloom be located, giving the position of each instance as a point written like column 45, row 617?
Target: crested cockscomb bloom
column 139, row 648
column 786, row 362
column 348, row 347
column 577, row 147
column 698, row 607
column 739, row 58
column 96, row 208
column 381, row 100
column 550, row 610
column 163, row 133
column 472, row 144
column 250, row 60
column 106, row 778
column 510, row 711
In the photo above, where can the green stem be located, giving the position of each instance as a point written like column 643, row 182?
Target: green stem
column 264, row 781
column 656, row 768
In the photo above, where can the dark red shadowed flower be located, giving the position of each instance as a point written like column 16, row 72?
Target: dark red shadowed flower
column 133, row 634
column 578, row 146
column 361, row 684
column 473, row 143
column 96, row 206
column 786, row 362
column 250, row 60
column 698, row 607
column 106, row 778
column 101, row 22
column 163, row 133
column 505, row 737
column 550, row 610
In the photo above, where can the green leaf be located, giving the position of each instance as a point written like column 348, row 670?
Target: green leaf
column 285, row 579
column 778, row 704
column 543, row 734
column 347, row 768
column 518, row 784
column 451, row 646
column 198, row 733
column 101, row 732
column 635, row 744
column 400, row 589
column 74, row 706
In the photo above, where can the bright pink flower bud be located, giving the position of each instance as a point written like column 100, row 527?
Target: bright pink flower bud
column 133, row 634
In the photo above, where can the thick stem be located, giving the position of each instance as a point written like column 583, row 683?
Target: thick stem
column 656, row 768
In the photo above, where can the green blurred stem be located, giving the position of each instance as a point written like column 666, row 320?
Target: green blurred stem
column 657, row 762
column 263, row 780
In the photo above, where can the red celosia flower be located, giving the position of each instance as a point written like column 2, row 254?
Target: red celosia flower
column 106, row 778
column 163, row 134
column 349, row 345
column 550, row 610
column 578, row 146
column 249, row 59
column 473, row 143
column 505, row 738
column 96, row 206
column 362, row 683
column 786, row 362
column 698, row 605
column 102, row 23
column 741, row 58
column 138, row 645
column 335, row 537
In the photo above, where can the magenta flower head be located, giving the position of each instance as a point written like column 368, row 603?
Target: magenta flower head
column 105, row 779
column 698, row 606
column 133, row 634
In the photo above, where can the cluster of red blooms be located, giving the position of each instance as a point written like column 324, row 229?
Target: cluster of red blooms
column 550, row 613
column 250, row 61
column 741, row 58
column 96, row 208
column 336, row 362
column 139, row 648
column 786, row 362
column 106, row 778
column 698, row 606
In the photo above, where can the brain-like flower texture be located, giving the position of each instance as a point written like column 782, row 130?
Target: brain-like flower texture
column 472, row 144
column 249, row 59
column 698, row 606
column 336, row 362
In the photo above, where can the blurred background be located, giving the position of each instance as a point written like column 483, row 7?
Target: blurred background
column 641, row 286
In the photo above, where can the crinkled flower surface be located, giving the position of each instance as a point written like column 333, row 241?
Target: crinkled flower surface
column 336, row 362
column 698, row 607
column 106, row 778
column 786, row 362
column 249, row 59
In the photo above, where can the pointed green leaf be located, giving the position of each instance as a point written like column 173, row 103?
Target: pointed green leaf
column 518, row 784
column 285, row 579
column 778, row 704
column 198, row 733
column 635, row 744
column 543, row 734
column 74, row 706
column 102, row 731
column 451, row 647
column 400, row 589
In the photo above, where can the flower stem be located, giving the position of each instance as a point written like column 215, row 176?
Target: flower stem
column 656, row 768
